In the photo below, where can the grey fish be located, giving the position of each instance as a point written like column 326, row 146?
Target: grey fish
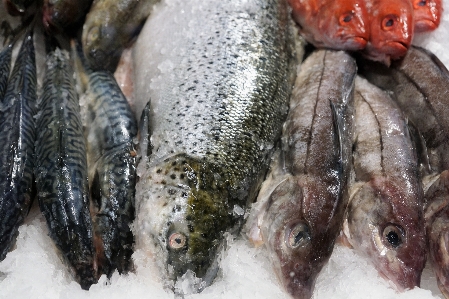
column 17, row 135
column 384, row 220
column 301, row 205
column 110, row 129
column 218, row 74
column 110, row 27
column 61, row 168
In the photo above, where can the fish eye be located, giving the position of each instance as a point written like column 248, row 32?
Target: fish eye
column 346, row 18
column 298, row 235
column 176, row 241
column 393, row 235
column 422, row 3
column 388, row 22
column 93, row 34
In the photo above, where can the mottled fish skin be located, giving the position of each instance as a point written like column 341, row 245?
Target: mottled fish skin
column 384, row 220
column 214, row 118
column 17, row 135
column 5, row 66
column 111, row 128
column 110, row 26
column 61, row 15
column 61, row 168
column 305, row 199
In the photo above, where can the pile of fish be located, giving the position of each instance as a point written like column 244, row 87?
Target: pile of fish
column 228, row 97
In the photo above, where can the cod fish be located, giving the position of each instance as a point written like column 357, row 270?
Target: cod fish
column 384, row 219
column 341, row 24
column 300, row 208
column 61, row 168
column 218, row 75
column 419, row 83
column 17, row 135
column 110, row 128
column 110, row 27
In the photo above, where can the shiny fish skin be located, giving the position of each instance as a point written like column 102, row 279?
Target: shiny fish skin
column 60, row 15
column 111, row 128
column 61, row 168
column 218, row 90
column 109, row 27
column 384, row 218
column 304, row 200
column 5, row 66
column 17, row 135
column 427, row 14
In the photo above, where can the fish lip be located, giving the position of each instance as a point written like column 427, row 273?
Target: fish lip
column 425, row 25
column 361, row 41
column 395, row 49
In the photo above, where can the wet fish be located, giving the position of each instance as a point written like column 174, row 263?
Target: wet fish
column 391, row 30
column 302, row 204
column 341, row 24
column 384, row 218
column 62, row 15
column 110, row 129
column 427, row 14
column 61, row 168
column 218, row 76
column 5, row 66
column 17, row 135
column 110, row 26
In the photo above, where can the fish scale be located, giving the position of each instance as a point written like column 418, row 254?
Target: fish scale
column 218, row 90
column 17, row 137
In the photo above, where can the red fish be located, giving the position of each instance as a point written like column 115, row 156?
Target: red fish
column 427, row 14
column 340, row 24
column 391, row 29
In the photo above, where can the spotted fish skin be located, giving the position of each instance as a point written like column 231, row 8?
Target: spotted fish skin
column 111, row 128
column 17, row 135
column 5, row 67
column 61, row 168
column 218, row 100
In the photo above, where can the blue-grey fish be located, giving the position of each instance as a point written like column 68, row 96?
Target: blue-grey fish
column 5, row 67
column 384, row 219
column 61, row 168
column 301, row 206
column 218, row 74
column 17, row 135
column 110, row 128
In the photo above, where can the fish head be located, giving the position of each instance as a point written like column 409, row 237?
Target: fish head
column 345, row 23
column 383, row 227
column 427, row 14
column 391, row 29
column 184, row 216
column 298, row 245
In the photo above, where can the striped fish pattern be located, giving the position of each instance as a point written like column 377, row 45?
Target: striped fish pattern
column 5, row 66
column 61, row 168
column 17, row 134
column 111, row 128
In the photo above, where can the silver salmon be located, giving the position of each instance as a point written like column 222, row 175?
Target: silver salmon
column 384, row 220
column 218, row 77
column 302, row 204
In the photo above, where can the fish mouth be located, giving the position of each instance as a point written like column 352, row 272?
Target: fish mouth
column 425, row 25
column 395, row 49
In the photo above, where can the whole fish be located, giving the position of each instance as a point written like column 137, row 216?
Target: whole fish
column 61, row 168
column 384, row 219
column 302, row 203
column 110, row 129
column 419, row 83
column 391, row 30
column 64, row 15
column 427, row 14
column 17, row 135
column 341, row 24
column 110, row 26
column 218, row 75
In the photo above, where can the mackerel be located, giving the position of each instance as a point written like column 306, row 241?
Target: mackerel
column 218, row 75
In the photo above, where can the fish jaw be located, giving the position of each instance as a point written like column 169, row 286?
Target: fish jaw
column 427, row 14
column 390, row 236
column 183, row 215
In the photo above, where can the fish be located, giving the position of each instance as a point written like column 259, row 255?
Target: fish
column 391, row 30
column 64, row 15
column 61, row 167
column 5, row 67
column 110, row 26
column 17, row 135
column 418, row 84
column 111, row 128
column 427, row 14
column 302, row 204
column 384, row 220
column 217, row 75
column 17, row 7
column 341, row 25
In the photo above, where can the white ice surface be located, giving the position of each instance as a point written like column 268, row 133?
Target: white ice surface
column 34, row 270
